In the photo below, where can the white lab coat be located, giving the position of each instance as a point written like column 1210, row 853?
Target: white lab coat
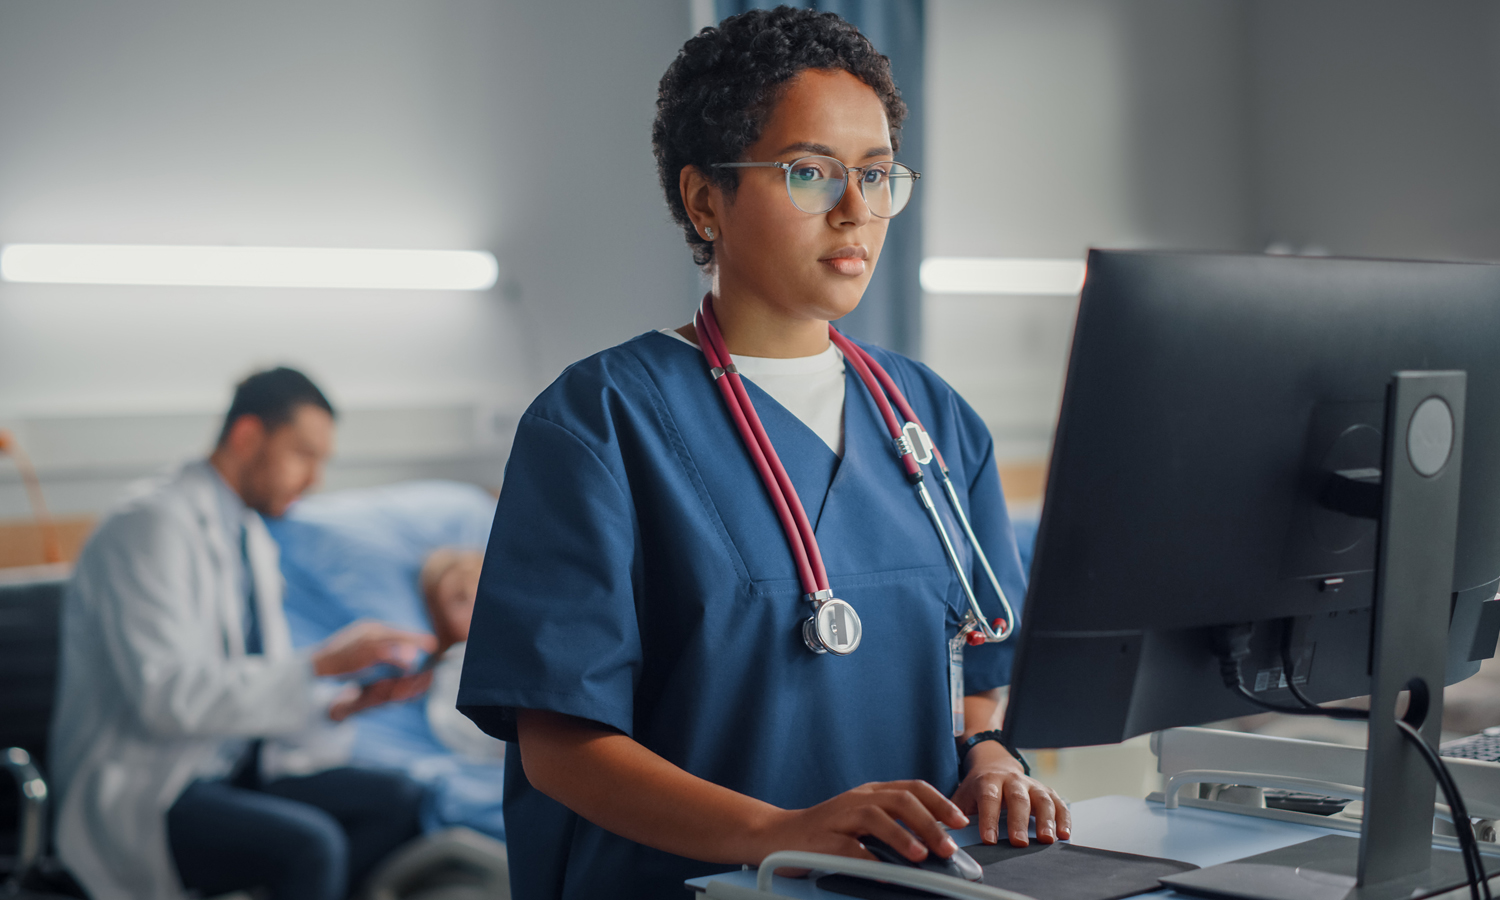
column 155, row 687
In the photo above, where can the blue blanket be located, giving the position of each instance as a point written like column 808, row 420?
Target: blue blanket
column 356, row 554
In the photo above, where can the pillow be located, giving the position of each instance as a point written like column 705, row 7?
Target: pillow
column 356, row 554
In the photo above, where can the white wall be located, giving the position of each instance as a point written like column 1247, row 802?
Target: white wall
column 1376, row 127
column 1054, row 126
column 521, row 128
column 1357, row 127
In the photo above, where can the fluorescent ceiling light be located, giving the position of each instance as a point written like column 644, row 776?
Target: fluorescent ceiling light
column 954, row 275
column 279, row 267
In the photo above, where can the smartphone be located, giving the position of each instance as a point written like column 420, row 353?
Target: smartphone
column 381, row 671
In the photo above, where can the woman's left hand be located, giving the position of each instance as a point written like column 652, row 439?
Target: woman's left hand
column 995, row 781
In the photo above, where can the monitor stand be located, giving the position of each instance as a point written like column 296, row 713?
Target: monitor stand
column 1393, row 857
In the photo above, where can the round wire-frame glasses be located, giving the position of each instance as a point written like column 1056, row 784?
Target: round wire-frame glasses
column 816, row 184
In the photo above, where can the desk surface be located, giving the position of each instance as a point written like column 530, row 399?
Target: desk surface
column 1199, row 836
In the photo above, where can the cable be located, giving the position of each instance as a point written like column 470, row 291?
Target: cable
column 1288, row 670
column 1233, row 644
column 1333, row 712
column 1308, row 706
column 1462, row 824
column 1461, row 821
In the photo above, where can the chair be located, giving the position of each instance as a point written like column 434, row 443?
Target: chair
column 29, row 634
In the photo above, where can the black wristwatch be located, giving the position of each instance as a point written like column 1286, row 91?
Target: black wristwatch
column 964, row 746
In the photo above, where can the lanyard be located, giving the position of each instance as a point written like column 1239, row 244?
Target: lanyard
column 834, row 627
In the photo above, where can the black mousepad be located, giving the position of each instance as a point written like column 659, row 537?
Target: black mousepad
column 1058, row 871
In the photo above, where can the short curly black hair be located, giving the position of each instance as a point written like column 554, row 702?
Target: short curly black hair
column 716, row 96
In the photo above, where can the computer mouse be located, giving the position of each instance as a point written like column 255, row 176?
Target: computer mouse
column 959, row 865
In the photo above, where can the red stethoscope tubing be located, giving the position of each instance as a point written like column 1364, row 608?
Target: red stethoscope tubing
column 866, row 367
column 784, row 499
column 799, row 531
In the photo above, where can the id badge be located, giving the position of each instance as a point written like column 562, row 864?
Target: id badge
column 956, row 682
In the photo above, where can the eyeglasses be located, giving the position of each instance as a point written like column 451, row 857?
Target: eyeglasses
column 816, row 184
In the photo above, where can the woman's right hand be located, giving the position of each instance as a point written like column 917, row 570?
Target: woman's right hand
column 616, row 783
column 879, row 809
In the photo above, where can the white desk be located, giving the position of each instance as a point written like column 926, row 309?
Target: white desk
column 1199, row 836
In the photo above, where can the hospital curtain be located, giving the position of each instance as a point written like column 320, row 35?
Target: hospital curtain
column 891, row 312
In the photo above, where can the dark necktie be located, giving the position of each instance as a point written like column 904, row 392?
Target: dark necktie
column 252, row 615
column 246, row 770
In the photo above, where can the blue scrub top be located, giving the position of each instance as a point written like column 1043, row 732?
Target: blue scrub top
column 638, row 577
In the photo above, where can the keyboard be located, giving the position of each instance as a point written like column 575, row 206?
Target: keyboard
column 1484, row 746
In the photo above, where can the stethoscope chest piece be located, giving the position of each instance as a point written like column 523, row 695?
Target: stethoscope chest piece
column 834, row 627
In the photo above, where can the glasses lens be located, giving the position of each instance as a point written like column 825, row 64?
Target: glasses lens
column 887, row 188
column 816, row 183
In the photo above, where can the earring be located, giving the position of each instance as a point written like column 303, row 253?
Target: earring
column 708, row 232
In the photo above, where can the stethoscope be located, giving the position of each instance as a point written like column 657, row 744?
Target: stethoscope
column 834, row 626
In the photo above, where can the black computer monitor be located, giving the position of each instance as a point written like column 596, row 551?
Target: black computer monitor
column 1208, row 399
column 1246, row 489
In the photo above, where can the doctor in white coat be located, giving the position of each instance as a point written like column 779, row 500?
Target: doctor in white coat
column 176, row 663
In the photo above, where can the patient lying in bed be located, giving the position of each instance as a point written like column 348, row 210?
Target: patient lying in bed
column 407, row 554
column 450, row 582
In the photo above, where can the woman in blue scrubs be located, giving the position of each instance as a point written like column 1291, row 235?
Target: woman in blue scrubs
column 638, row 631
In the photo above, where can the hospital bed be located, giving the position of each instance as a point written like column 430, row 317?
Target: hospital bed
column 356, row 554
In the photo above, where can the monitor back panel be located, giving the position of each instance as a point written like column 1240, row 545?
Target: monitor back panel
column 1206, row 397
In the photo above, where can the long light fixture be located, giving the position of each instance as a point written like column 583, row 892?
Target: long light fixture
column 958, row 275
column 276, row 267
